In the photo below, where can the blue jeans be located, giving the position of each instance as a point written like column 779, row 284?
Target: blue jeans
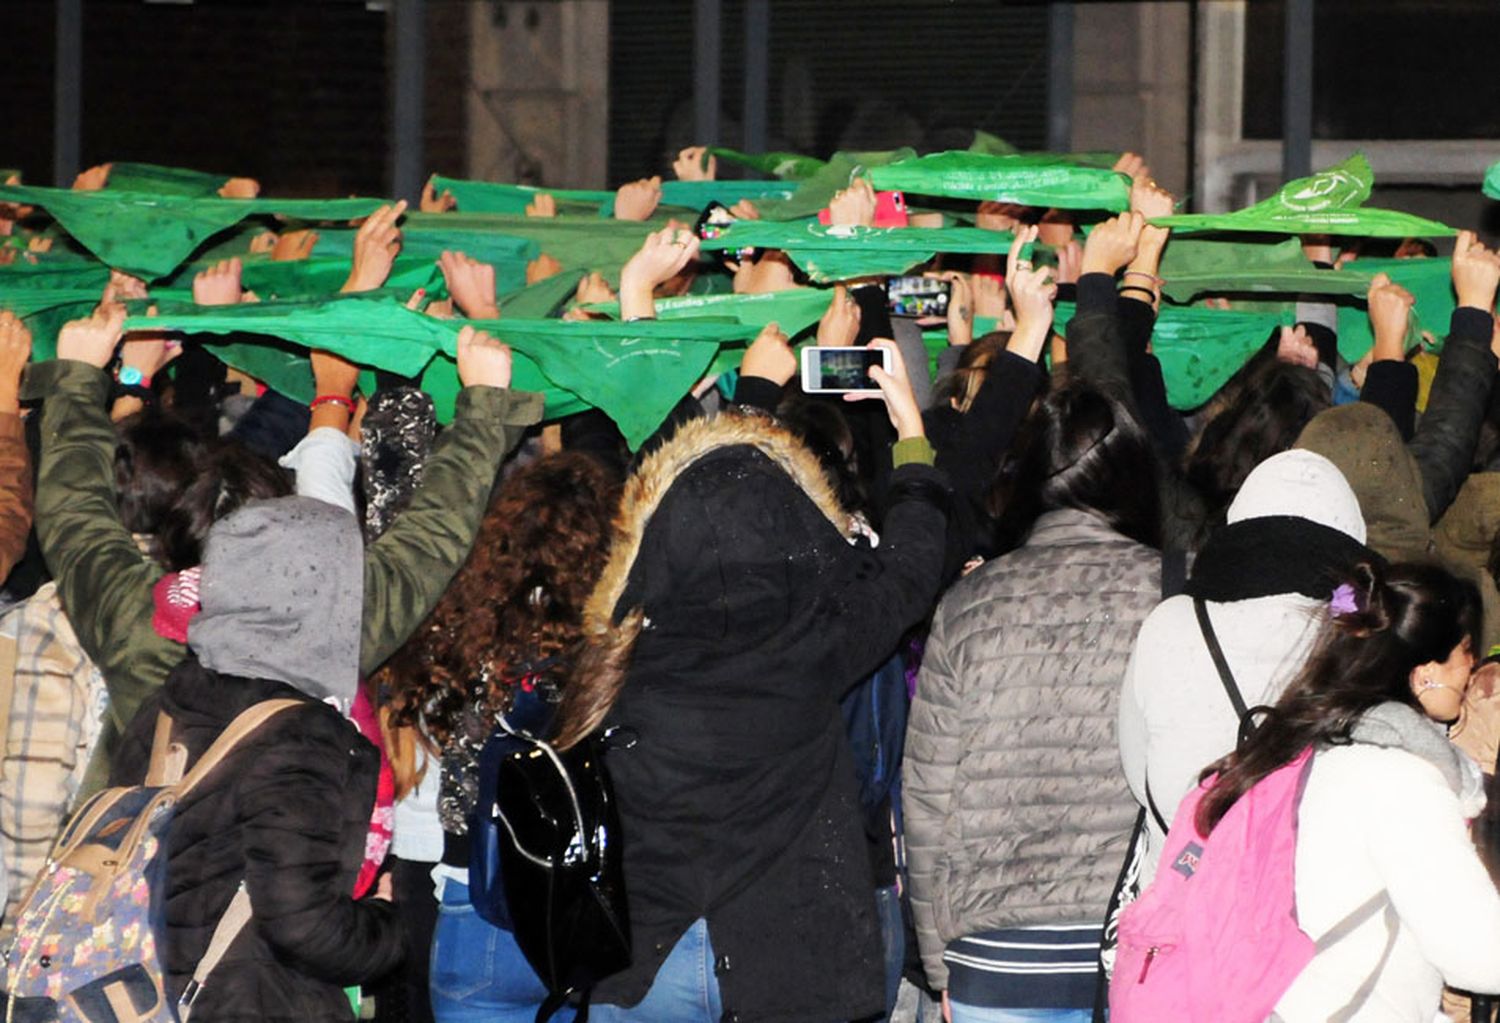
column 686, row 989
column 980, row 1014
column 478, row 972
column 892, row 940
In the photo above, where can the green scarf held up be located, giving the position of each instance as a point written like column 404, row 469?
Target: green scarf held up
column 586, row 243
column 828, row 254
column 490, row 197
column 634, row 372
column 1030, row 179
column 1328, row 202
column 786, row 166
column 793, row 310
column 1431, row 283
column 151, row 235
column 1199, row 349
column 1225, row 266
column 1492, row 182
column 156, row 180
column 818, row 190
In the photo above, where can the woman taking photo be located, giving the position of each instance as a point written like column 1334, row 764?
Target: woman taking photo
column 733, row 615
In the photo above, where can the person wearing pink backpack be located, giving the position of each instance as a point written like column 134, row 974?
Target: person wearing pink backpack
column 1323, row 871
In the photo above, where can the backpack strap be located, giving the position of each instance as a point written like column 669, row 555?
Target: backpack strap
column 1217, row 653
column 237, row 913
column 236, row 917
column 168, row 759
column 1342, row 930
column 246, row 722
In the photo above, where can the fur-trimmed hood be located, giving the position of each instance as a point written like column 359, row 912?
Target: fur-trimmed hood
column 612, row 617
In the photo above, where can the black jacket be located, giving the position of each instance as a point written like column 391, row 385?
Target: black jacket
column 288, row 812
column 738, row 797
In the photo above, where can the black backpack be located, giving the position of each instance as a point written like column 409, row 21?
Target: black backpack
column 547, row 861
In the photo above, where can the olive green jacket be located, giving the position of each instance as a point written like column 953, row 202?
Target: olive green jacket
column 105, row 582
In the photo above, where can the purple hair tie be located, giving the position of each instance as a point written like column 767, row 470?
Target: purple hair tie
column 1343, row 602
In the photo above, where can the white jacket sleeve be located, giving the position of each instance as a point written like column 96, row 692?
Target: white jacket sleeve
column 324, row 462
column 1420, row 844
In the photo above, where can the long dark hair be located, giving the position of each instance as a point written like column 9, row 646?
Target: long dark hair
column 517, row 601
column 1409, row 616
column 1257, row 415
column 1079, row 449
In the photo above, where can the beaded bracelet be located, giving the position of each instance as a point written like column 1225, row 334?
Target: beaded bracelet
column 332, row 399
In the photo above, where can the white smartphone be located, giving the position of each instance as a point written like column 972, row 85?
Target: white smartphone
column 841, row 370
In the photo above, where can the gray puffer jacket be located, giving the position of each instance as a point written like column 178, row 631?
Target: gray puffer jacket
column 1017, row 811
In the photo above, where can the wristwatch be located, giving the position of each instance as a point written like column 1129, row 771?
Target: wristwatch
column 129, row 376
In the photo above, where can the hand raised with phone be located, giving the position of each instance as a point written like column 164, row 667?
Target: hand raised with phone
column 895, row 391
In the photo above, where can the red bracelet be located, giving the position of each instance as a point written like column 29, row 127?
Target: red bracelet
column 333, row 399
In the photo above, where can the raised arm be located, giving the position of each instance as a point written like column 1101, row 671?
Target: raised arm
column 1443, row 444
column 103, row 579
column 410, row 566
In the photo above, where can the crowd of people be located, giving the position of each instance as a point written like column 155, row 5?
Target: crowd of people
column 899, row 691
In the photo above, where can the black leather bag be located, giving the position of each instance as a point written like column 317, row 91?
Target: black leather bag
column 555, row 825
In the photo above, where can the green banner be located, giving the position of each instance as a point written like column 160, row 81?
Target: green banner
column 828, row 254
column 1492, row 182
column 151, row 235
column 1030, row 179
column 1329, row 202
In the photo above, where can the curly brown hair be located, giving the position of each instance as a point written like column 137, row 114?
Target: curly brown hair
column 516, row 602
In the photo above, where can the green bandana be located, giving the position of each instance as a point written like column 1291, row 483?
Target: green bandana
column 488, row 197
column 155, row 180
column 828, row 254
column 1030, row 179
column 787, row 166
column 1329, row 202
column 634, row 372
column 1429, row 281
column 818, row 190
column 151, row 235
column 1492, row 182
column 793, row 310
column 1199, row 266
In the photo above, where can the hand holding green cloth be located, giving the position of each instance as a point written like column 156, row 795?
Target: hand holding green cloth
column 787, row 166
column 634, row 372
column 1031, row 179
column 157, row 180
column 1431, row 283
column 793, row 310
column 1492, row 182
column 151, row 235
column 1328, row 202
column 830, row 254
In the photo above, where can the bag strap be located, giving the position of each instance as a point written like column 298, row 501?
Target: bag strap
column 236, row 917
column 246, row 722
column 237, row 914
column 168, row 759
column 1216, row 652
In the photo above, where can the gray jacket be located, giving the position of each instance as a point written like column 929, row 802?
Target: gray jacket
column 1016, row 809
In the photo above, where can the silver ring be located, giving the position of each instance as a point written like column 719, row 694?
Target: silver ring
column 1023, row 264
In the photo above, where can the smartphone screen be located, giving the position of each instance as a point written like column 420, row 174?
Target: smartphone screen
column 913, row 297
column 838, row 370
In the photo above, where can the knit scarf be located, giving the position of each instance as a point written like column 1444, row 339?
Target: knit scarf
column 1275, row 554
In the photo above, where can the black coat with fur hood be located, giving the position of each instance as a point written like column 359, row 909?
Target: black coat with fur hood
column 739, row 614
